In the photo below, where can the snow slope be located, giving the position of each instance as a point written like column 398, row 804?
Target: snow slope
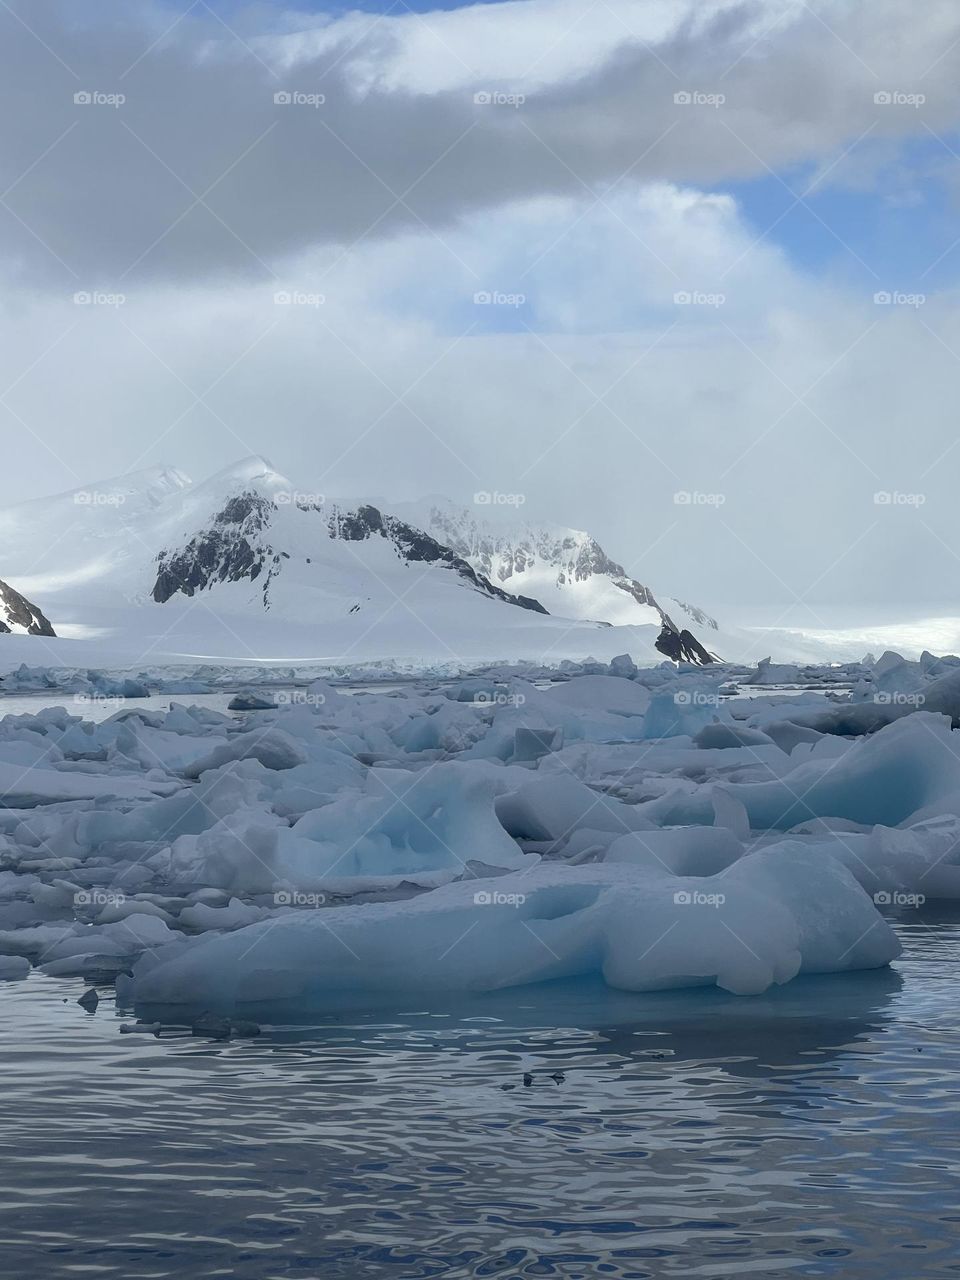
column 565, row 569
column 245, row 565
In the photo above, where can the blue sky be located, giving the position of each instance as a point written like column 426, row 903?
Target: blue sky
column 903, row 227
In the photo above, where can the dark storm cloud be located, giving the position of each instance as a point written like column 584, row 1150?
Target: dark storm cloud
column 200, row 173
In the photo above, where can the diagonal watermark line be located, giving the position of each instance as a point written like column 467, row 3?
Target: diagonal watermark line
column 198, row 199
column 42, row 156
column 160, row 38
column 39, row 39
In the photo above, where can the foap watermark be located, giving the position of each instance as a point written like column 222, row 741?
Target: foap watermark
column 897, row 98
column 698, row 98
column 695, row 698
column 99, row 898
column 98, row 699
column 297, row 98
column 498, row 98
column 96, row 98
column 297, row 898
column 294, row 498
column 697, row 898
column 98, row 498
column 494, row 498
column 484, row 699
column 299, row 698
column 694, row 498
column 897, row 298
column 898, row 898
column 97, row 298
column 894, row 498
column 896, row 699
column 496, row 898
column 687, row 298
column 298, row 298
column 498, row 298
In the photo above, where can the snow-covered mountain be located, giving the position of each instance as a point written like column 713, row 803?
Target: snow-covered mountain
column 246, row 564
column 257, row 533
column 18, row 615
column 565, row 569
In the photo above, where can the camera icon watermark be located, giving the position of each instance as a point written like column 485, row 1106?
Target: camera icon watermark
column 97, row 498
column 484, row 699
column 897, row 98
column 98, row 898
column 898, row 898
column 299, row 698
column 894, row 498
column 694, row 498
column 296, row 98
column 98, row 699
column 498, row 298
column 686, row 298
column 697, row 98
column 495, row 898
column 696, row 898
column 298, row 298
column 494, row 498
column 296, row 898
column 497, row 98
column 695, row 698
column 896, row 298
column 896, row 699
column 304, row 501
column 97, row 298
column 95, row 98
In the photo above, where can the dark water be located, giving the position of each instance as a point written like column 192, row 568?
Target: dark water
column 814, row 1132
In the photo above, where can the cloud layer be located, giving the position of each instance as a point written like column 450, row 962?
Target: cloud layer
column 634, row 336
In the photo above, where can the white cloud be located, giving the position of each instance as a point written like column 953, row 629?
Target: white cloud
column 576, row 416
column 596, row 201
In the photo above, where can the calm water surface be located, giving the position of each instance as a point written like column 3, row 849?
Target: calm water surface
column 814, row 1132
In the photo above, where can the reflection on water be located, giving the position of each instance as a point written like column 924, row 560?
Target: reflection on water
column 810, row 1132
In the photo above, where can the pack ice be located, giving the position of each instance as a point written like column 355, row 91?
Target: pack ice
column 657, row 827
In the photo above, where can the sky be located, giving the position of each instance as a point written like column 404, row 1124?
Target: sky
column 680, row 272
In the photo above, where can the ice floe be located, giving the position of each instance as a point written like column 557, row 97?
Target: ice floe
column 655, row 826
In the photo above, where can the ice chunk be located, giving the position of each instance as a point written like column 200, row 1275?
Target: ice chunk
column 683, row 851
column 623, row 665
column 274, row 748
column 426, row 827
column 908, row 766
column 533, row 744
column 551, row 808
column 249, row 700
column 13, row 967
column 720, row 735
column 761, row 922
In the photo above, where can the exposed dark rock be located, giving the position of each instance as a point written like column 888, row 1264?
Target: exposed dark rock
column 228, row 551
column 17, row 611
column 682, row 646
column 415, row 546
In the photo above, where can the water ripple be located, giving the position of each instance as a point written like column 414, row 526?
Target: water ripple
column 809, row 1132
